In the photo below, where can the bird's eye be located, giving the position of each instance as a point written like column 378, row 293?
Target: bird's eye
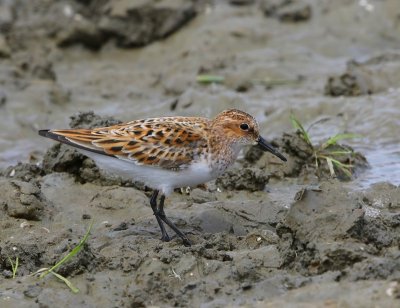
column 244, row 126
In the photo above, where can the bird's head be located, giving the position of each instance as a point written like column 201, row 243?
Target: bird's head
column 241, row 129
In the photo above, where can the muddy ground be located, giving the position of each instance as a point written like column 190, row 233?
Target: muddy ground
column 266, row 233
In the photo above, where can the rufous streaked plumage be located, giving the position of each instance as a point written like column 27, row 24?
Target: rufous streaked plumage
column 167, row 152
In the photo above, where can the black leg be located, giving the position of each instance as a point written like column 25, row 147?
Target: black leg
column 153, row 203
column 161, row 214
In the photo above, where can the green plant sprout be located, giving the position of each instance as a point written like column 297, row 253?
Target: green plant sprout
column 325, row 150
column 207, row 79
column 14, row 266
column 71, row 254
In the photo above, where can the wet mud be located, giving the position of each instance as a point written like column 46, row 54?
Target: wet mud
column 266, row 233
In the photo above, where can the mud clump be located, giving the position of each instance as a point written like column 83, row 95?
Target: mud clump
column 295, row 145
column 329, row 229
column 37, row 249
column 302, row 158
column 132, row 24
column 138, row 25
column 386, row 267
column 355, row 81
column 313, row 207
column 383, row 196
column 241, row 2
column 21, row 199
column 91, row 120
column 24, row 171
column 257, row 158
column 62, row 158
column 364, row 78
column 84, row 33
column 381, row 224
column 84, row 261
column 28, row 253
column 238, row 217
column 93, row 23
column 287, row 11
column 243, row 179
column 253, row 154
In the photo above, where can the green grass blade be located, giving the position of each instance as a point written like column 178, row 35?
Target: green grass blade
column 295, row 123
column 297, row 126
column 339, row 152
column 346, row 171
column 330, row 165
column 71, row 254
column 333, row 140
column 41, row 270
column 67, row 282
column 336, row 161
column 14, row 266
column 343, row 167
column 206, row 79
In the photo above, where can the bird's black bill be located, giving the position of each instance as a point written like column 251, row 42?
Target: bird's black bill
column 262, row 143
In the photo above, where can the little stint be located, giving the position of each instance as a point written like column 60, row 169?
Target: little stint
column 167, row 152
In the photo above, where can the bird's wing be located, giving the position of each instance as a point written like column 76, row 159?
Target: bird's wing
column 169, row 142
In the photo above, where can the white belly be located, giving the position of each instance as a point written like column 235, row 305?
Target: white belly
column 154, row 177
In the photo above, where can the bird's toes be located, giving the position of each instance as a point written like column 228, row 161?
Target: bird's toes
column 165, row 237
column 186, row 242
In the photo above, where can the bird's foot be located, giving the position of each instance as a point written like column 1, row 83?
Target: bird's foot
column 165, row 237
column 186, row 242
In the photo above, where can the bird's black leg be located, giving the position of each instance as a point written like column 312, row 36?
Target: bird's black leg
column 161, row 214
column 153, row 203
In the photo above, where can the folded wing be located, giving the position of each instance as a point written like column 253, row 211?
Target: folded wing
column 169, row 143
